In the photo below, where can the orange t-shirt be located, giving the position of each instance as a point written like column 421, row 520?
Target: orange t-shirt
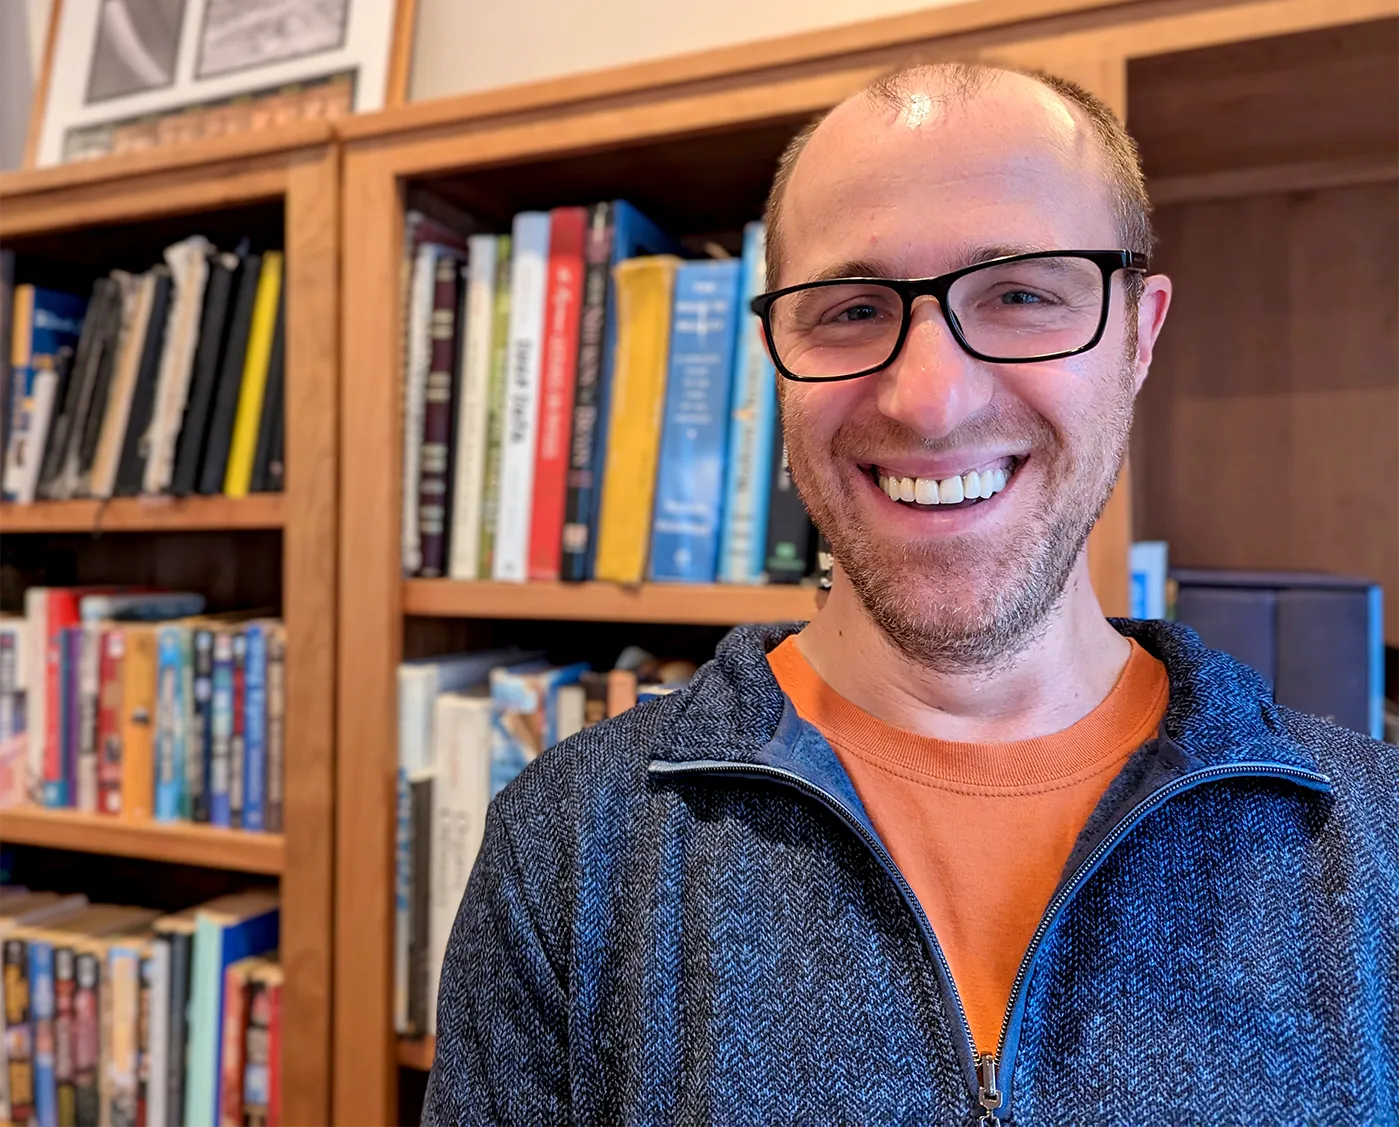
column 981, row 831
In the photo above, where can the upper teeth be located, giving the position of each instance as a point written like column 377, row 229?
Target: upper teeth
column 971, row 486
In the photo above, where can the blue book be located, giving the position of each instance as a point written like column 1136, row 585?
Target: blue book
column 525, row 716
column 753, row 410
column 634, row 235
column 695, row 423
column 255, row 729
column 221, row 731
column 226, row 930
column 41, row 1013
column 174, row 712
column 60, row 792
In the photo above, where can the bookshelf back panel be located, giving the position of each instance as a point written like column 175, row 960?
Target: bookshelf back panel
column 1325, row 95
column 1266, row 432
column 233, row 570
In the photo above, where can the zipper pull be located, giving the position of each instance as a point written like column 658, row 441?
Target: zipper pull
column 987, row 1094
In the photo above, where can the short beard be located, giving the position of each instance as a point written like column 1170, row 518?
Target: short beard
column 1021, row 584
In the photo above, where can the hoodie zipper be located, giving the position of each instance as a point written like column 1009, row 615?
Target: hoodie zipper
column 992, row 1071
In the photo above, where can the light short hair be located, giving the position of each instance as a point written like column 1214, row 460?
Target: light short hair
column 962, row 81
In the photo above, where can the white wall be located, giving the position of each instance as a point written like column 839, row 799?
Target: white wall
column 465, row 45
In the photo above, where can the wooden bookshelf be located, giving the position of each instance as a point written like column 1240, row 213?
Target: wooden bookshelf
column 146, row 514
column 417, row 1052
column 177, row 843
column 693, row 140
column 606, row 602
column 85, row 219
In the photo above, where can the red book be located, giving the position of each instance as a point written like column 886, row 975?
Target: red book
column 558, row 370
column 109, row 721
column 234, row 1040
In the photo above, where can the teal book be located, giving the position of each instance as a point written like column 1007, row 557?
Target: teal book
column 226, row 930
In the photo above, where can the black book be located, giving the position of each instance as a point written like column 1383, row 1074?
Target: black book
column 68, row 423
column 421, row 806
column 792, row 540
column 277, row 460
column 578, row 499
column 7, row 316
column 177, row 1030
column 89, row 432
column 63, row 376
column 230, row 383
column 204, row 376
column 136, row 444
column 199, row 753
column 271, row 405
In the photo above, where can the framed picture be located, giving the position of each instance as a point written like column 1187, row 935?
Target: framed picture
column 120, row 75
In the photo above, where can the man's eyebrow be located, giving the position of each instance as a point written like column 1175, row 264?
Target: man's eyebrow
column 967, row 256
column 853, row 268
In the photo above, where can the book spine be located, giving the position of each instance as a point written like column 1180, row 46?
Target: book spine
column 751, row 425
column 189, row 266
column 181, row 944
column 583, row 454
column 231, row 1051
column 109, row 721
column 199, row 761
column 690, row 466
column 496, row 407
column 19, row 1034
column 403, row 896
column 119, row 1064
column 13, row 753
column 238, row 471
column 138, row 724
column 135, row 444
column 62, row 791
column 435, row 468
column 87, row 1037
column 473, row 408
column 644, row 303
column 89, row 694
column 418, row 318
column 145, row 971
column 62, row 612
column 530, row 239
column 421, row 787
column 64, row 1033
column 276, row 723
column 221, row 729
column 255, row 1055
column 255, row 730
column 274, row 1050
column 791, row 538
column 41, row 1003
column 156, row 1046
column 171, row 707
column 558, row 371
column 238, row 734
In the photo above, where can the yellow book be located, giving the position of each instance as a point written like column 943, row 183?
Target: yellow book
column 644, row 287
column 138, row 721
column 239, row 474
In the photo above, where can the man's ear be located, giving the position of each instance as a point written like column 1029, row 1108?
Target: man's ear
column 1151, row 315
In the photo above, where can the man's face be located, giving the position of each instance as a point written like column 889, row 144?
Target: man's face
column 914, row 193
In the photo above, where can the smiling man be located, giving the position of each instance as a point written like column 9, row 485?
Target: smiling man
column 960, row 849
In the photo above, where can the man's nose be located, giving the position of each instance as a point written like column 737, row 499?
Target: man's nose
column 932, row 385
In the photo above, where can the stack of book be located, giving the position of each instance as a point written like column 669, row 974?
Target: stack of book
column 130, row 703
column 468, row 724
column 164, row 382
column 120, row 1015
column 581, row 401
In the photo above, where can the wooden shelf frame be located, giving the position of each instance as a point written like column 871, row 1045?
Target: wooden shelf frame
column 299, row 166
column 417, row 1052
column 708, row 93
column 180, row 843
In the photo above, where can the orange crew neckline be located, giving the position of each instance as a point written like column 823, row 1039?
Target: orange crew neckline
column 1127, row 716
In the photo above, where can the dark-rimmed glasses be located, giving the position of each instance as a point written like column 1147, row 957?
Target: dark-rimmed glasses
column 1019, row 309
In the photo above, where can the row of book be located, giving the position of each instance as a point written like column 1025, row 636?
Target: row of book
column 163, row 382
column 468, row 724
column 133, row 704
column 125, row 1017
column 1317, row 639
column 582, row 401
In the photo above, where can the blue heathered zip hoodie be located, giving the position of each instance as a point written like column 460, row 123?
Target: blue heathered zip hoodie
column 684, row 916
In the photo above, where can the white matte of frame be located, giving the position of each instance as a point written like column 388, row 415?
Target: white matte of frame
column 117, row 60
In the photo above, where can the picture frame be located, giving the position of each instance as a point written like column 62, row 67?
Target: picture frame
column 126, row 75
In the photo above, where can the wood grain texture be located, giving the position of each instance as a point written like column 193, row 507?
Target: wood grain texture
column 178, row 842
column 145, row 514
column 371, row 636
column 309, row 573
column 400, row 54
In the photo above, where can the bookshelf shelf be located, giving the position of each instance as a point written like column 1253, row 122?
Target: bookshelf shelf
column 606, row 602
column 181, row 843
column 417, row 1052
column 146, row 514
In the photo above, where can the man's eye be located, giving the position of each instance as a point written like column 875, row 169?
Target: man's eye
column 856, row 313
column 1021, row 297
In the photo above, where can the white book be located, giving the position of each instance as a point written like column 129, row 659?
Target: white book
column 473, row 401
column 415, row 397
column 528, row 277
column 107, row 459
column 461, row 792
column 89, row 685
column 158, row 1034
column 36, row 635
column 189, row 271
column 27, row 444
column 420, row 682
column 14, row 753
column 569, row 704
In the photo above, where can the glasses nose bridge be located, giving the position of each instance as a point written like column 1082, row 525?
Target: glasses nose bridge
column 930, row 289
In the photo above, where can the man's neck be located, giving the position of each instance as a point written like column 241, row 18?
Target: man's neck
column 1059, row 677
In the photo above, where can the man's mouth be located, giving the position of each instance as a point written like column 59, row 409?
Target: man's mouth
column 969, row 487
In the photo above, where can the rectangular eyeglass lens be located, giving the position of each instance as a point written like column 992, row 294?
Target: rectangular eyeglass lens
column 835, row 330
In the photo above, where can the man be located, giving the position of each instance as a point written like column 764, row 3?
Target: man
column 961, row 849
